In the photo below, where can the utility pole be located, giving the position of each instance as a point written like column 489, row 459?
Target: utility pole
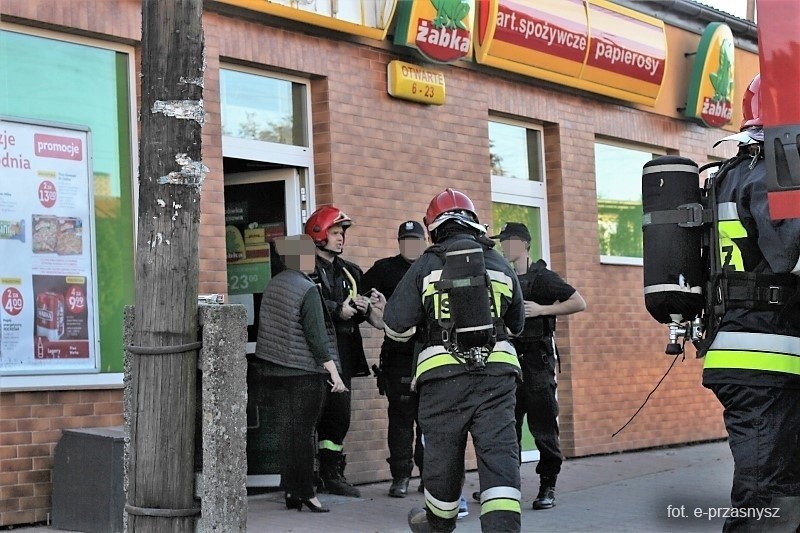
column 163, row 357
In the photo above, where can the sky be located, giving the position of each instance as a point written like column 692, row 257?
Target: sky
column 737, row 8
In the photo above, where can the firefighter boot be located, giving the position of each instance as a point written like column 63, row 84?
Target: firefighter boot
column 331, row 468
column 418, row 521
column 547, row 494
column 399, row 487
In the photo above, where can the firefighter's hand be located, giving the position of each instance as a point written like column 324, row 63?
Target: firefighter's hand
column 533, row 309
column 362, row 304
column 348, row 311
column 377, row 299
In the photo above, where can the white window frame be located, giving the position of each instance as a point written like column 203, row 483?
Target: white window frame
column 529, row 193
column 270, row 152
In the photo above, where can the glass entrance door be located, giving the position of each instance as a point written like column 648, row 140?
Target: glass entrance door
column 259, row 207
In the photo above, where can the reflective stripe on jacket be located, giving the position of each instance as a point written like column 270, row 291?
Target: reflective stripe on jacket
column 755, row 351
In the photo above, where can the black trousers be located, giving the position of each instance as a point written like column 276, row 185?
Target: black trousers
column 763, row 426
column 299, row 401
column 482, row 405
column 541, row 406
column 335, row 421
column 402, row 413
column 536, row 398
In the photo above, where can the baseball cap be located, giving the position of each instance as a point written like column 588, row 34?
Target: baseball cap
column 410, row 228
column 513, row 229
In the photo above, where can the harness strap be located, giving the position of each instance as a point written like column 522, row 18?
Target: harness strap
column 686, row 215
column 748, row 290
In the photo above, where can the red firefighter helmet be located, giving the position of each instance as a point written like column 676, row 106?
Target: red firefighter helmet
column 322, row 220
column 452, row 205
column 751, row 104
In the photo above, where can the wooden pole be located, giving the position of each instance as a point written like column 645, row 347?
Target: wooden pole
column 163, row 357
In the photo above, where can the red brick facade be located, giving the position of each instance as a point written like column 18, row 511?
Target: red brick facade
column 30, row 426
column 381, row 160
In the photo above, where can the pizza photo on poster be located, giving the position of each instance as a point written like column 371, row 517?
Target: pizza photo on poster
column 61, row 329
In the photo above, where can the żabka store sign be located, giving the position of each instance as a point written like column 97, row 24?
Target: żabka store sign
column 441, row 30
column 710, row 95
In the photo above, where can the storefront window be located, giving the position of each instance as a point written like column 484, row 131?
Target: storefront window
column 262, row 108
column 618, row 171
column 514, row 152
column 86, row 87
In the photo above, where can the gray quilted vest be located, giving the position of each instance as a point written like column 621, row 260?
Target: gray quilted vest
column 280, row 335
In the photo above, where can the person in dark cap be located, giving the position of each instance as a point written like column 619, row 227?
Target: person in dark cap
column 546, row 296
column 396, row 362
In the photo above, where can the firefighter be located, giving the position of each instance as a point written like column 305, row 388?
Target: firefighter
column 458, row 394
column 339, row 284
column 753, row 362
column 396, row 363
column 546, row 295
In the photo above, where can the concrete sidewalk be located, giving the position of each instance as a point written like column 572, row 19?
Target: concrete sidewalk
column 653, row 491
column 621, row 492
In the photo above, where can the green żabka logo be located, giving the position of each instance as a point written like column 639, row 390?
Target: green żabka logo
column 710, row 94
column 717, row 109
column 446, row 37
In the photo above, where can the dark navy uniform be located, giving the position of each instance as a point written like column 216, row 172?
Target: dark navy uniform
column 753, row 363
column 396, row 362
column 536, row 396
column 454, row 401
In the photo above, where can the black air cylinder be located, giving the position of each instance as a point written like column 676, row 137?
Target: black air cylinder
column 469, row 303
column 674, row 270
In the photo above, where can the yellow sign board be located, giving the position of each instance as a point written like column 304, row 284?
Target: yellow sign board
column 367, row 18
column 415, row 83
column 594, row 45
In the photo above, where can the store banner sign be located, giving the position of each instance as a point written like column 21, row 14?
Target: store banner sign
column 440, row 30
column 710, row 96
column 594, row 45
column 367, row 18
column 48, row 297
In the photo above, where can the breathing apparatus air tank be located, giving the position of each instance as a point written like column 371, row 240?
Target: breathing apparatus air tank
column 674, row 269
column 465, row 281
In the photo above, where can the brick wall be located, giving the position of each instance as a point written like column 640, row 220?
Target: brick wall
column 30, row 427
column 381, row 160
column 389, row 157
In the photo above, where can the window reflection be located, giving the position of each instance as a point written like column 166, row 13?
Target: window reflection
column 618, row 171
column 514, row 152
column 261, row 108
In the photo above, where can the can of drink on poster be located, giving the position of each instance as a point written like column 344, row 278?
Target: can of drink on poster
column 50, row 315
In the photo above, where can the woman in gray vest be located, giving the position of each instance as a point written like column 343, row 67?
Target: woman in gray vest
column 297, row 348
